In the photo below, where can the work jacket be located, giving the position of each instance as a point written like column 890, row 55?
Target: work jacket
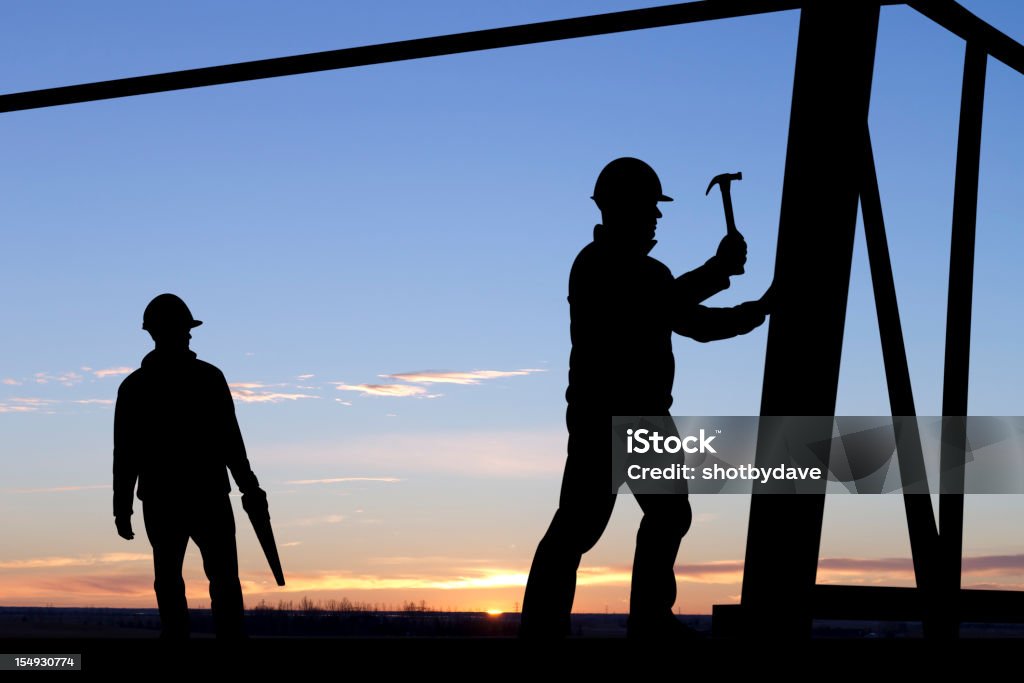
column 624, row 306
column 175, row 434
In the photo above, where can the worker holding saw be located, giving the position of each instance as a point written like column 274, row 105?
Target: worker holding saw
column 176, row 436
column 624, row 306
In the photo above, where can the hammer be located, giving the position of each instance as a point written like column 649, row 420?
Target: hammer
column 723, row 180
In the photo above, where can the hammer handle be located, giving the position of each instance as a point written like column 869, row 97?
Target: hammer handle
column 730, row 219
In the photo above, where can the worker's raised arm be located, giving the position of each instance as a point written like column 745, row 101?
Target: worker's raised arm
column 711, row 278
column 701, row 283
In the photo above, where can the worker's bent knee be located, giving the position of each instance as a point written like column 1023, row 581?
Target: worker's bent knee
column 669, row 521
column 574, row 532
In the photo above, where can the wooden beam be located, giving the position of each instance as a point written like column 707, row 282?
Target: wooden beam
column 956, row 371
column 489, row 39
column 823, row 178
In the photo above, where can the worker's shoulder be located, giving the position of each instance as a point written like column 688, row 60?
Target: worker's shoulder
column 209, row 370
column 656, row 267
column 134, row 379
column 599, row 263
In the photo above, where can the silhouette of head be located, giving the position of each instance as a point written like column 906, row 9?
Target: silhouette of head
column 627, row 192
column 169, row 322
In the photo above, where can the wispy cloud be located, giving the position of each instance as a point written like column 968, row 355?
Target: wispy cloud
column 74, row 561
column 11, row 382
column 61, row 489
column 457, row 377
column 340, row 480
column 719, row 572
column 36, row 402
column 253, row 392
column 95, row 401
column 5, row 408
column 20, row 404
column 897, row 570
column 986, row 564
column 393, row 390
column 113, row 372
column 68, row 379
column 305, row 377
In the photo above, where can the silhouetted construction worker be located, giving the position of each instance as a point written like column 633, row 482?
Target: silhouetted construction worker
column 175, row 433
column 623, row 308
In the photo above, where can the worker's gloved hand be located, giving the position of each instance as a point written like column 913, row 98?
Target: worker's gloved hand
column 732, row 253
column 124, row 527
column 254, row 501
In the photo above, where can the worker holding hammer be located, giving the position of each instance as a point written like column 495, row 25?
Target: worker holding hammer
column 624, row 306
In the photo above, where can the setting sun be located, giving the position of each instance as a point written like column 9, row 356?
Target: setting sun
column 494, row 612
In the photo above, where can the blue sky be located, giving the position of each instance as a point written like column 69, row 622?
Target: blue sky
column 422, row 216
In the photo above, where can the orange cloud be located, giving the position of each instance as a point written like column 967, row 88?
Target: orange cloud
column 74, row 561
column 456, row 377
column 463, row 581
column 345, row 581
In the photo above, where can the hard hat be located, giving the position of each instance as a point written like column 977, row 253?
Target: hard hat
column 168, row 311
column 628, row 179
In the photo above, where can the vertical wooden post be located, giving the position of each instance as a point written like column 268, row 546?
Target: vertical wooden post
column 924, row 536
column 958, row 328
column 827, row 137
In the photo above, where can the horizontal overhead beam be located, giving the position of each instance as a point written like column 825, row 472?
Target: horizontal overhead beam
column 489, row 39
column 954, row 18
column 946, row 13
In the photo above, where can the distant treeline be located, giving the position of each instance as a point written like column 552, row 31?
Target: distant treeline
column 343, row 605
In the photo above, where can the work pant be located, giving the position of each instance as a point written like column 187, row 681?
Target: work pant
column 584, row 508
column 211, row 524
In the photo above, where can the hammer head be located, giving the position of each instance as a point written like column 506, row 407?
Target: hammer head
column 724, row 179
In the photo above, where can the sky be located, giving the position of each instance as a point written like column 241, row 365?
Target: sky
column 381, row 255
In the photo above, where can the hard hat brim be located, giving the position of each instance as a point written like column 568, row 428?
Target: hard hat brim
column 191, row 325
column 662, row 198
